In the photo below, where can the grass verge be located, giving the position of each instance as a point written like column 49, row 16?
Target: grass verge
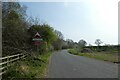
column 73, row 51
column 98, row 55
column 32, row 67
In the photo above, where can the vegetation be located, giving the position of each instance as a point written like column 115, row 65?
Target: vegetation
column 18, row 32
column 59, row 42
column 33, row 66
column 105, row 52
column 73, row 51
column 81, row 44
column 103, row 55
column 98, row 42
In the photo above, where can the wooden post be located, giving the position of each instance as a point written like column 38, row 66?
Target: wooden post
column 7, row 62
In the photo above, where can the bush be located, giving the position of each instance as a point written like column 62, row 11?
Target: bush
column 31, row 67
column 86, row 50
column 73, row 51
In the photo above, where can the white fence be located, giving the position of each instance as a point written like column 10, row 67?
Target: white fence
column 8, row 60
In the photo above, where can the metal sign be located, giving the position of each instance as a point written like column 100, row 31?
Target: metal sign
column 37, row 40
column 37, row 35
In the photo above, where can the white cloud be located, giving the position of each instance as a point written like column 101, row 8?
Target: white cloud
column 65, row 3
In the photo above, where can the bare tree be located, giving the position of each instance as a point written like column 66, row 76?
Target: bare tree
column 98, row 42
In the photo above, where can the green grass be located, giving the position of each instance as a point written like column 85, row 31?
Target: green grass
column 34, row 66
column 73, row 51
column 98, row 55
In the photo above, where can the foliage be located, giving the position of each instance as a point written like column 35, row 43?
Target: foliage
column 13, row 6
column 59, row 34
column 82, row 43
column 59, row 41
column 102, row 56
column 46, row 32
column 31, row 67
column 97, row 55
column 73, row 51
column 105, row 48
column 14, row 25
column 65, row 45
column 19, row 32
column 98, row 42
column 70, row 43
column 58, row 44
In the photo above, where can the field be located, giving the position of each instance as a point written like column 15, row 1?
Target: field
column 106, row 56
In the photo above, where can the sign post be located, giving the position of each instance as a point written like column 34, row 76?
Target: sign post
column 37, row 40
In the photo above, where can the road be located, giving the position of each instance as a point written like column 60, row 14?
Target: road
column 65, row 65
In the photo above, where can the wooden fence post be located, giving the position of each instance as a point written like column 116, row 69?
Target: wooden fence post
column 7, row 62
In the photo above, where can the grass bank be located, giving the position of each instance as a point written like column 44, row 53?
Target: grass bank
column 112, row 57
column 33, row 66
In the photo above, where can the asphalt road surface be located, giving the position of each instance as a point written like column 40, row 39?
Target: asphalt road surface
column 65, row 65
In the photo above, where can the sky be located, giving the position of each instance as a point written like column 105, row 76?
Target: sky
column 83, row 19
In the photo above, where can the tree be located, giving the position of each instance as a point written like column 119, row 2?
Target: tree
column 14, row 26
column 70, row 43
column 18, row 30
column 65, row 45
column 82, row 43
column 98, row 42
column 58, row 44
column 13, row 6
column 59, row 34
column 59, row 41
column 47, row 33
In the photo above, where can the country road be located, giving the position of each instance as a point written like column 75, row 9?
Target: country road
column 65, row 65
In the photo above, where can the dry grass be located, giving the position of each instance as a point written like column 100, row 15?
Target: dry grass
column 31, row 67
column 106, row 56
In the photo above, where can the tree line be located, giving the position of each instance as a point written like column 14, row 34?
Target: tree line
column 18, row 30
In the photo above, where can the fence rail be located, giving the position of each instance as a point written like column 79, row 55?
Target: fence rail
column 5, row 62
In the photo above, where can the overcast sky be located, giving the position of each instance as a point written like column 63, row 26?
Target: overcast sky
column 84, row 19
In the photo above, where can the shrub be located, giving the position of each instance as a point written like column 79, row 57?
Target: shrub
column 73, row 51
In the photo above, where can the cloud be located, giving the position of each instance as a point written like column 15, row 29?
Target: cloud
column 66, row 3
